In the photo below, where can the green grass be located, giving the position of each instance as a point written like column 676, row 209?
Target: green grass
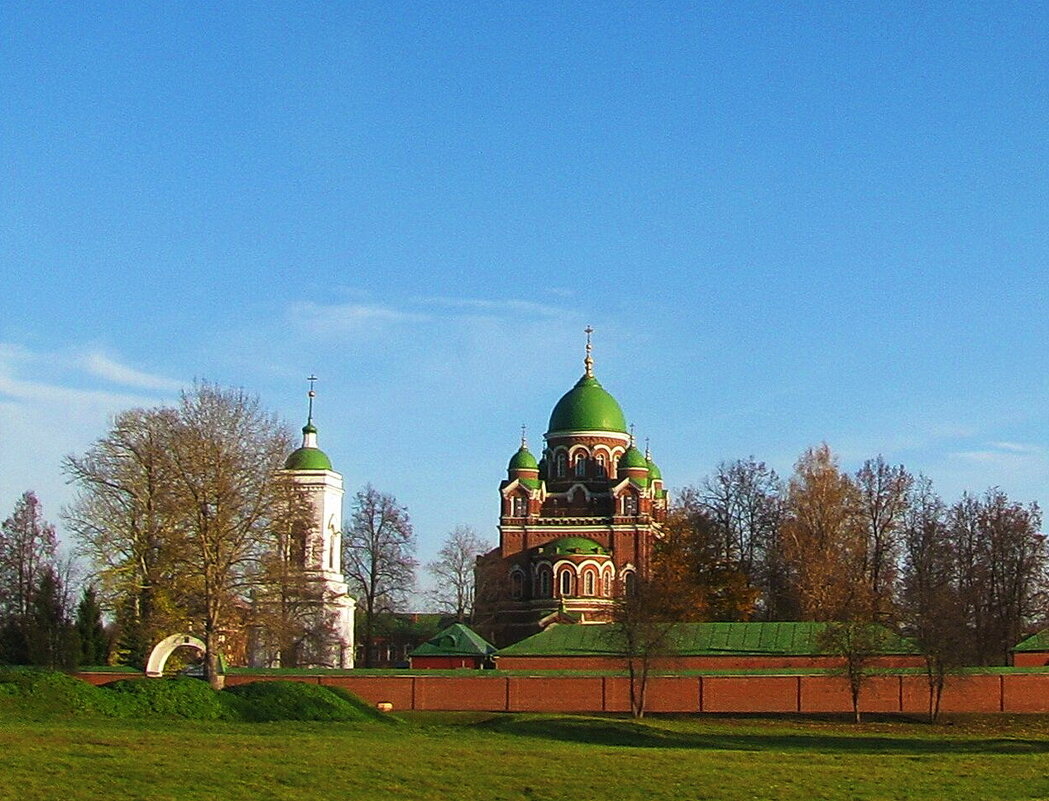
column 492, row 757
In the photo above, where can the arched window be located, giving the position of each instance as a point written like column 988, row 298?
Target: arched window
column 580, row 467
column 629, row 504
column 630, row 583
column 606, row 584
column 588, row 582
column 566, row 583
column 561, row 465
column 599, row 461
column 519, row 506
column 544, row 582
column 517, row 585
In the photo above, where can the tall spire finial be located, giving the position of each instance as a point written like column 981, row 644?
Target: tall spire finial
column 648, row 450
column 631, row 435
column 311, row 395
column 524, row 442
column 589, row 360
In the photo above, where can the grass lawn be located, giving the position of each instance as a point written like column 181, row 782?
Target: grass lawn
column 464, row 756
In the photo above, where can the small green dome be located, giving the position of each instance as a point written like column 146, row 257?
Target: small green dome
column 632, row 458
column 587, row 407
column 523, row 460
column 572, row 545
column 653, row 471
column 308, row 459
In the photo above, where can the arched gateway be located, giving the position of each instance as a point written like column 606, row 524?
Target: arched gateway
column 158, row 657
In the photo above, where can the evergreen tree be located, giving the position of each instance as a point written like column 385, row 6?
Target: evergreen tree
column 94, row 643
column 51, row 639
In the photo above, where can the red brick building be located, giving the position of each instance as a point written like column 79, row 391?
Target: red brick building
column 576, row 526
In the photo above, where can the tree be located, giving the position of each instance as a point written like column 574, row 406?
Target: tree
column 128, row 527
column 453, row 572
column 27, row 552
column 174, row 509
column 642, row 631
column 930, row 603
column 288, row 601
column 225, row 452
column 822, row 538
column 857, row 642
column 378, row 555
column 51, row 639
column 91, row 633
column 743, row 501
column 1001, row 570
column 883, row 492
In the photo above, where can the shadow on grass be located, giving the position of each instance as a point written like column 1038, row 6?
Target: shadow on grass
column 634, row 734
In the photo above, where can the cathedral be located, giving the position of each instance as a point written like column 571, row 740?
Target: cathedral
column 576, row 526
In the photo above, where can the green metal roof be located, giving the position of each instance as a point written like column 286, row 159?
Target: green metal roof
column 587, row 407
column 456, row 640
column 653, row 472
column 1036, row 642
column 632, row 457
column 308, row 459
column 523, row 460
column 694, row 639
column 572, row 545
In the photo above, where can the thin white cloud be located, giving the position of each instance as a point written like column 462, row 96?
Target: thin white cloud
column 1017, row 447
column 104, row 367
column 510, row 305
column 350, row 318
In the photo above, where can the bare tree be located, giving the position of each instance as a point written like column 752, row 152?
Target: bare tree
column 378, row 555
column 857, row 642
column 743, row 500
column 883, row 495
column 27, row 551
column 930, row 603
column 453, row 572
column 1001, row 569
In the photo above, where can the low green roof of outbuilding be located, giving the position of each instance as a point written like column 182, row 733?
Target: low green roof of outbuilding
column 696, row 639
column 456, row 640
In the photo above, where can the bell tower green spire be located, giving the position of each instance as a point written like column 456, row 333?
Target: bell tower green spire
column 309, row 456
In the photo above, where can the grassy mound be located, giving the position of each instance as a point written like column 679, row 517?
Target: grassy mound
column 32, row 691
column 180, row 697
column 291, row 700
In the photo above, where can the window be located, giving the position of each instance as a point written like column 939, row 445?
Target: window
column 588, row 583
column 544, row 582
column 519, row 507
column 561, row 465
column 606, row 584
column 566, row 583
column 630, row 583
column 517, row 585
column 599, row 460
column 630, row 504
column 580, row 467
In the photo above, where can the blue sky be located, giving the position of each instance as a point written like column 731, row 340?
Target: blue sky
column 787, row 225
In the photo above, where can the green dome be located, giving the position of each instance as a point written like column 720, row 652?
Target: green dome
column 308, row 459
column 653, row 471
column 587, row 407
column 523, row 460
column 572, row 545
column 632, row 458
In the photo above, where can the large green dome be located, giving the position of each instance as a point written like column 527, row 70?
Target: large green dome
column 587, row 407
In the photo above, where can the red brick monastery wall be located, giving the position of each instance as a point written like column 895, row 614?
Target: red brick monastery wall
column 489, row 691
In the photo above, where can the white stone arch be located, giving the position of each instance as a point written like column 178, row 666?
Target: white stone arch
column 158, row 657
